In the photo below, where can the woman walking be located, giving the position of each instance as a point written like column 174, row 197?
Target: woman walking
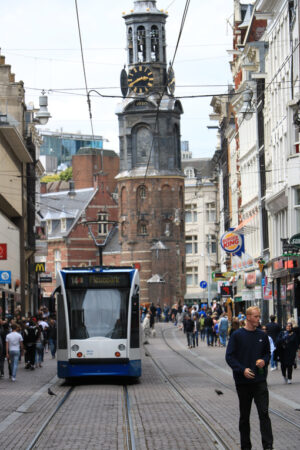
column 287, row 345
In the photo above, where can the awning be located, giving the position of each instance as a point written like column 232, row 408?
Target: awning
column 246, row 222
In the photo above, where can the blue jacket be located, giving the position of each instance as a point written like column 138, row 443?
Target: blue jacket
column 243, row 350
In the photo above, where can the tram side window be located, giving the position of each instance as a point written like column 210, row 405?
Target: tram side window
column 135, row 320
column 61, row 319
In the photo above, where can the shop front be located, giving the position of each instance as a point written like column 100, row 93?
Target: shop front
column 286, row 288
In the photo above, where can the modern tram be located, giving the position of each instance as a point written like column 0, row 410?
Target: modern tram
column 98, row 324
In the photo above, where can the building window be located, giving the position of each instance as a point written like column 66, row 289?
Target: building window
column 211, row 212
column 57, row 261
column 142, row 192
column 190, row 213
column 297, row 209
column 49, row 226
column 142, row 228
column 63, row 224
column 130, row 45
column 192, row 276
column 191, row 245
column 103, row 225
column 189, row 173
column 211, row 244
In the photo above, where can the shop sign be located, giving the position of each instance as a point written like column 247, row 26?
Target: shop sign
column 3, row 251
column 5, row 276
column 268, row 292
column 46, row 277
column 290, row 286
column 250, row 279
column 277, row 265
column 295, row 240
column 232, row 242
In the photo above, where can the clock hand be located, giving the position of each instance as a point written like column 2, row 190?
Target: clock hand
column 137, row 80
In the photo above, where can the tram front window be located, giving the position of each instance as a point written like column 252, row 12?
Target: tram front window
column 98, row 313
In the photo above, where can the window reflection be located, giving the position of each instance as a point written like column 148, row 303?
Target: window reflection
column 98, row 313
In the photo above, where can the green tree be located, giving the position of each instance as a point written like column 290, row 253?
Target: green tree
column 66, row 175
column 50, row 178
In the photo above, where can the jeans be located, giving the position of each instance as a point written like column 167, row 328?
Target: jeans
column 195, row 338
column 223, row 337
column 39, row 353
column 189, row 336
column 259, row 392
column 209, row 335
column 14, row 361
column 273, row 362
column 52, row 345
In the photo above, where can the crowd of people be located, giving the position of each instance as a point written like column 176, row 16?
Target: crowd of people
column 212, row 325
column 29, row 336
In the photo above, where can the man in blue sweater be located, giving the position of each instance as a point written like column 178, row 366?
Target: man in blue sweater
column 248, row 354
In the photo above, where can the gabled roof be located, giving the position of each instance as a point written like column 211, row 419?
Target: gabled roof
column 58, row 205
column 204, row 167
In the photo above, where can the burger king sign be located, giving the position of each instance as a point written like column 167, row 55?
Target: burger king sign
column 232, row 242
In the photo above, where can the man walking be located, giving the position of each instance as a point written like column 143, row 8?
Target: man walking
column 248, row 355
column 14, row 345
column 273, row 330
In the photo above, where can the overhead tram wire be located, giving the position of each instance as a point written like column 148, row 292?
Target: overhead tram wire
column 187, row 4
column 84, row 71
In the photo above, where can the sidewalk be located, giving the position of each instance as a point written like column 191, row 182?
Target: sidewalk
column 30, row 385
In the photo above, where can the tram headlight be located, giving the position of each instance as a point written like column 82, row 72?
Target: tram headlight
column 79, row 354
column 118, row 354
column 75, row 348
column 121, row 347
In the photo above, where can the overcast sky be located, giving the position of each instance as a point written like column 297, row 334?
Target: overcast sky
column 39, row 39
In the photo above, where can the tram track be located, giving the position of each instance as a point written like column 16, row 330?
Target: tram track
column 217, row 439
column 227, row 386
column 128, row 429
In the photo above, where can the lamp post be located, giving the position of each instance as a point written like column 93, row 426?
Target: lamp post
column 99, row 245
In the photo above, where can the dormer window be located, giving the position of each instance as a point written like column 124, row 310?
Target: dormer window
column 141, row 44
column 154, row 43
column 49, row 226
column 189, row 173
column 63, row 224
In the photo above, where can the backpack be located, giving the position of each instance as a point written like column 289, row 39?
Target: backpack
column 30, row 335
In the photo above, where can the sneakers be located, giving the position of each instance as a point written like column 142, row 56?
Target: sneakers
column 13, row 379
column 285, row 380
column 289, row 381
column 273, row 368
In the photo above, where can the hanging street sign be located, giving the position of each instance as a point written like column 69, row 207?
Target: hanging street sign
column 5, row 276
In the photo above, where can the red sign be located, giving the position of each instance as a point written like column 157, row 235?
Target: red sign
column 277, row 265
column 3, row 251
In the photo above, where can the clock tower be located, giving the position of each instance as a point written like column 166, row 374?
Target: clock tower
column 151, row 182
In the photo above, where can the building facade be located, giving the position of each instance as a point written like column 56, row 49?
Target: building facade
column 151, row 182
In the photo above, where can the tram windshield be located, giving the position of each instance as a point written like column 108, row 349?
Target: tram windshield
column 98, row 313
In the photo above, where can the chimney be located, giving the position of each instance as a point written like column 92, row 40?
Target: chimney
column 72, row 192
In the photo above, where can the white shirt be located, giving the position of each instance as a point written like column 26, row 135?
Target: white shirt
column 43, row 324
column 14, row 338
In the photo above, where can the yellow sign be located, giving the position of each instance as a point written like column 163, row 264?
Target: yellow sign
column 40, row 267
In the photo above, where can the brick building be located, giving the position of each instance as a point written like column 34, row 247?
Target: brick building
column 90, row 198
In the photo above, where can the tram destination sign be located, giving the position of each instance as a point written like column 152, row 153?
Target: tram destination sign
column 97, row 280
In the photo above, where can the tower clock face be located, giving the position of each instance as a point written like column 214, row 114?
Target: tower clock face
column 140, row 79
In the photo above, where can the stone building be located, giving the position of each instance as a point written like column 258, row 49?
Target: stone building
column 151, row 182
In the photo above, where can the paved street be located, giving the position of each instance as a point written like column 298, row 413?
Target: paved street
column 93, row 415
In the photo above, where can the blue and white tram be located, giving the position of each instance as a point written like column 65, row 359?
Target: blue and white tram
column 98, row 322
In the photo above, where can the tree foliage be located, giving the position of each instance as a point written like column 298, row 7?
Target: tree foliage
column 66, row 175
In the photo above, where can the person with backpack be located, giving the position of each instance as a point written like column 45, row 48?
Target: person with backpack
column 30, row 337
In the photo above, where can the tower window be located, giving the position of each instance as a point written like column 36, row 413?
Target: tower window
column 130, row 46
column 141, row 44
column 142, row 192
column 142, row 228
column 103, row 225
column 154, row 43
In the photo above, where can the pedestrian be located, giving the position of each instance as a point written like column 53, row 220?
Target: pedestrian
column 208, row 324
column 166, row 312
column 272, row 345
column 158, row 312
column 39, row 347
column 2, row 348
column 189, row 328
column 248, row 354
column 30, row 337
column 146, row 328
column 14, row 348
column 235, row 325
column 215, row 330
column 287, row 345
column 223, row 329
column 196, row 330
column 202, row 327
column 273, row 330
column 52, row 337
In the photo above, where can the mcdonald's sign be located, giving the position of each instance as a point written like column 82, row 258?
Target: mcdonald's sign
column 40, row 267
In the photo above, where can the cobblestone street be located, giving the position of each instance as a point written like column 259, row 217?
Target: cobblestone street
column 93, row 415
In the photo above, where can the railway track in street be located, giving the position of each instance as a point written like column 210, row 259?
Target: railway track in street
column 217, row 439
column 128, row 430
column 222, row 383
